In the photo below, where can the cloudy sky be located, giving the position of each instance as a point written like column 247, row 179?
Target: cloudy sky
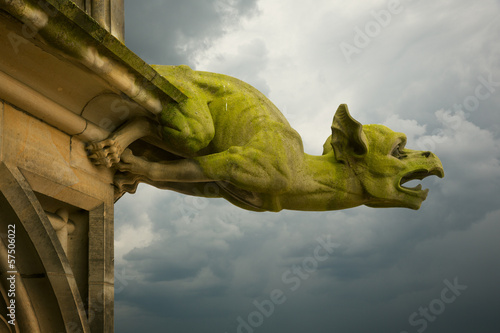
column 430, row 69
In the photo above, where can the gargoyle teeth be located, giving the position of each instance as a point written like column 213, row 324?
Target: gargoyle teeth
column 416, row 188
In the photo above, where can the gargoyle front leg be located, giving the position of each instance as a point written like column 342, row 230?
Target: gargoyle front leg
column 108, row 152
column 183, row 170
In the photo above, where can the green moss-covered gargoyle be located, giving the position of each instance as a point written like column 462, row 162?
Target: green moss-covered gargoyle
column 228, row 140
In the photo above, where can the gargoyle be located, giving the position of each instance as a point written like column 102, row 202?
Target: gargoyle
column 228, row 140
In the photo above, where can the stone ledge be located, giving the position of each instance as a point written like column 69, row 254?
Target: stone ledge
column 62, row 25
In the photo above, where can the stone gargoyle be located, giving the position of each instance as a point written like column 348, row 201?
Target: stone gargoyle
column 228, row 140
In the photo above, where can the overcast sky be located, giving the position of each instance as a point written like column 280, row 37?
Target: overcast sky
column 430, row 69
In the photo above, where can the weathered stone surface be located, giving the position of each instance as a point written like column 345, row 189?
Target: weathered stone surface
column 48, row 170
column 33, row 227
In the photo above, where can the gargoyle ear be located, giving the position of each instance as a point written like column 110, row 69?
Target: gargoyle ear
column 347, row 135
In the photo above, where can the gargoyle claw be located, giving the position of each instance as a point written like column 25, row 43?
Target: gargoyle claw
column 106, row 152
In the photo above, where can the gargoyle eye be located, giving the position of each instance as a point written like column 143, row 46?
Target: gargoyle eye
column 397, row 151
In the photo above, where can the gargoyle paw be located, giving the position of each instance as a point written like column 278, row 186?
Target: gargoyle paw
column 106, row 152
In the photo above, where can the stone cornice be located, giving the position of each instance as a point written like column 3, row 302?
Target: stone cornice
column 61, row 25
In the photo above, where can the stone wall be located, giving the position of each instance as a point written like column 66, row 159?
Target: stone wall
column 65, row 81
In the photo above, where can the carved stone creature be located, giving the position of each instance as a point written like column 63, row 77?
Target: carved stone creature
column 228, row 140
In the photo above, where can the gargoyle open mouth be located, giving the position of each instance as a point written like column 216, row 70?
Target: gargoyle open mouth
column 419, row 174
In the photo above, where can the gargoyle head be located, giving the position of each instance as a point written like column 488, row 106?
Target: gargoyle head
column 378, row 157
